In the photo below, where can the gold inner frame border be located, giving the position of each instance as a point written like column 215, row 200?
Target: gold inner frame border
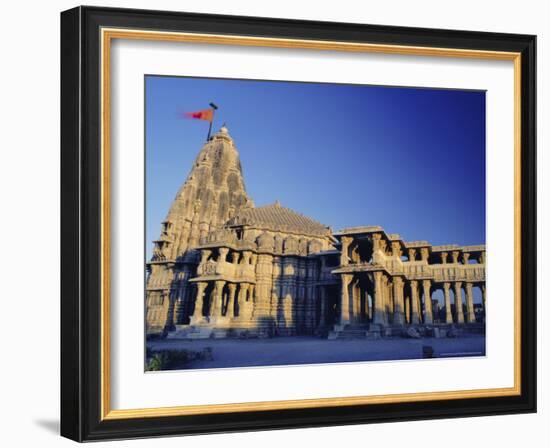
column 107, row 35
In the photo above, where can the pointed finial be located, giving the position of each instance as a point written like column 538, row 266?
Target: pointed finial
column 277, row 203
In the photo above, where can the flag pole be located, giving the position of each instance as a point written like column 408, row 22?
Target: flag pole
column 214, row 108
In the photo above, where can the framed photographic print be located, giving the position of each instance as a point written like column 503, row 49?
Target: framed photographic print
column 273, row 223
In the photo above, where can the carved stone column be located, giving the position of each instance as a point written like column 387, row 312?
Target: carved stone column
column 378, row 248
column 428, row 312
column 246, row 257
column 414, row 303
column 368, row 311
column 412, row 254
column 223, row 251
column 458, row 303
column 388, row 300
column 465, row 257
column 448, row 314
column 322, row 306
column 470, row 316
column 199, row 301
column 399, row 307
column 455, row 254
column 312, row 293
column 424, row 253
column 264, row 286
column 396, row 249
column 205, row 253
column 241, row 299
column 444, row 256
column 344, row 301
column 217, row 299
column 482, row 257
column 230, row 312
column 379, row 302
column 355, row 302
column 346, row 241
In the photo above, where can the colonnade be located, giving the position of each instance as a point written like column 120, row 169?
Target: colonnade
column 222, row 299
column 382, row 299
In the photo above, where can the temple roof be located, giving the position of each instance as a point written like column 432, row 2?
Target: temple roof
column 277, row 218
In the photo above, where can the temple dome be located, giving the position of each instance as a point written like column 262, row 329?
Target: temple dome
column 277, row 218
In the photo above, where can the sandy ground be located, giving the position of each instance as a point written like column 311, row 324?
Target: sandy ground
column 309, row 350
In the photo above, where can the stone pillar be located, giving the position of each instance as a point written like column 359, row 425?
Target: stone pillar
column 470, row 316
column 344, row 301
column 223, row 251
column 246, row 257
column 289, row 293
column 346, row 241
column 428, row 312
column 253, row 259
column 482, row 257
column 414, row 303
column 300, row 315
column 412, row 254
column 368, row 311
column 458, row 303
column 216, row 307
column 379, row 302
column 230, row 312
column 355, row 302
column 264, row 286
column 444, row 256
column 424, row 253
column 199, row 301
column 204, row 255
column 388, row 299
column 276, row 291
column 322, row 306
column 399, row 307
column 455, row 254
column 448, row 314
column 465, row 257
column 396, row 249
column 235, row 257
column 313, row 292
column 241, row 299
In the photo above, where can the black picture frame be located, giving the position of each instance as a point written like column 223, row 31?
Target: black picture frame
column 81, row 224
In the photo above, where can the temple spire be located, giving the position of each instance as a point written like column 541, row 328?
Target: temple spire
column 212, row 193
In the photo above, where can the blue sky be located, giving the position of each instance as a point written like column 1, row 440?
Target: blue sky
column 411, row 160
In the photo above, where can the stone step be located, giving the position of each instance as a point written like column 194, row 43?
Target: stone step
column 190, row 332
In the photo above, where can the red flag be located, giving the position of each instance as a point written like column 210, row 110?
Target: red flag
column 205, row 114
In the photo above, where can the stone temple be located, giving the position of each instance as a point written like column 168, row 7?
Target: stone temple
column 225, row 268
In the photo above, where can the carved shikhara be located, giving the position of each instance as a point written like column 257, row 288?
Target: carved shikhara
column 225, row 268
